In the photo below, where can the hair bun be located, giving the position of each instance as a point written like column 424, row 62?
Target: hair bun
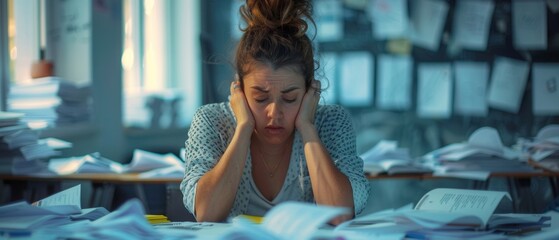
column 289, row 15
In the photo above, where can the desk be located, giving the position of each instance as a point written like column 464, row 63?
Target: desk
column 103, row 185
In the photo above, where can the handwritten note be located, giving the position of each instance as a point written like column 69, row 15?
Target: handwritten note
column 356, row 79
column 389, row 18
column 428, row 18
column 507, row 84
column 394, row 82
column 471, row 23
column 529, row 18
column 545, row 89
column 471, row 88
column 435, row 89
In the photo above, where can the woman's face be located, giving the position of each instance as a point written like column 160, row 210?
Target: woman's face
column 274, row 98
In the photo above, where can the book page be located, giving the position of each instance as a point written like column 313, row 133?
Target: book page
column 479, row 203
column 70, row 196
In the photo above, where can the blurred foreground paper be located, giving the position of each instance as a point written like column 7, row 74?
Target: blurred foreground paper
column 529, row 18
column 545, row 84
column 434, row 90
column 471, row 88
column 356, row 79
column 508, row 81
column 471, row 23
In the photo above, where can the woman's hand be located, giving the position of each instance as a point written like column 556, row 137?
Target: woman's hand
column 240, row 107
column 307, row 110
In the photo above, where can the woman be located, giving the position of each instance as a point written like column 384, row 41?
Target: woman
column 272, row 142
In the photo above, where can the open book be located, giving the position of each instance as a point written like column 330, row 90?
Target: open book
column 446, row 208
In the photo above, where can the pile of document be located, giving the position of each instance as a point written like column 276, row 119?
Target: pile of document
column 21, row 150
column 387, row 158
column 483, row 154
column 75, row 103
column 543, row 150
column 446, row 213
column 60, row 217
column 148, row 164
column 36, row 99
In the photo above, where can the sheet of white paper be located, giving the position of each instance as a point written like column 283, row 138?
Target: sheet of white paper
column 389, row 18
column 329, row 20
column 329, row 63
column 394, row 82
column 471, row 88
column 529, row 20
column 356, row 79
column 472, row 20
column 545, row 89
column 55, row 143
column 299, row 220
column 435, row 90
column 144, row 161
column 428, row 18
column 508, row 82
column 70, row 196
column 475, row 202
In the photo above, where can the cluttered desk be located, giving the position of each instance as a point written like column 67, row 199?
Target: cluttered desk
column 441, row 213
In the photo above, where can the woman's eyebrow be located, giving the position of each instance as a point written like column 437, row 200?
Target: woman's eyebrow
column 289, row 89
column 260, row 89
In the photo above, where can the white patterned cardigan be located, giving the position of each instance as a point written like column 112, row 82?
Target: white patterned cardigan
column 211, row 132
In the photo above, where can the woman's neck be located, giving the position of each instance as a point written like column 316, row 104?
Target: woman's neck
column 272, row 149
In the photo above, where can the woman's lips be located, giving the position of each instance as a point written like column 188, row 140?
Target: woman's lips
column 274, row 129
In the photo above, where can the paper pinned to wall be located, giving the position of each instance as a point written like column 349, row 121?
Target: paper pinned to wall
column 545, row 89
column 394, row 82
column 471, row 88
column 529, row 19
column 329, row 20
column 356, row 85
column 434, row 90
column 328, row 84
column 428, row 19
column 472, row 20
column 508, row 82
column 390, row 18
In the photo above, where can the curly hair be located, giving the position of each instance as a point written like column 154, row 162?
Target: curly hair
column 276, row 35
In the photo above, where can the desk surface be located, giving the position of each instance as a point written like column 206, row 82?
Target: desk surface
column 134, row 177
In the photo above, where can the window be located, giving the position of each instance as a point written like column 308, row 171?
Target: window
column 161, row 63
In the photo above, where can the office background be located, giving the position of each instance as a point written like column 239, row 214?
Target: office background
column 147, row 65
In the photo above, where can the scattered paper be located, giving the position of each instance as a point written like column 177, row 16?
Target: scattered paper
column 508, row 81
column 434, row 90
column 428, row 19
column 70, row 196
column 472, row 20
column 356, row 85
column 394, row 82
column 470, row 97
column 545, row 89
column 529, row 19
column 389, row 18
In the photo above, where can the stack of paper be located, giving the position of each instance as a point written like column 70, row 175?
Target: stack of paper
column 36, row 99
column 446, row 213
column 148, row 164
column 76, row 103
column 483, row 154
column 543, row 150
column 386, row 157
column 20, row 147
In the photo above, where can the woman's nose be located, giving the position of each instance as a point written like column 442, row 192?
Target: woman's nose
column 275, row 110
